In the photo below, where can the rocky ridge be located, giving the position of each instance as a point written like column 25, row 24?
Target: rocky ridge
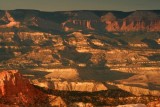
column 111, row 21
column 16, row 90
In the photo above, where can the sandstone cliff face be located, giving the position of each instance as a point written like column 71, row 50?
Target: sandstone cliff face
column 132, row 105
column 56, row 101
column 79, row 86
column 10, row 22
column 72, row 86
column 136, row 21
column 82, row 20
column 115, row 26
column 81, row 104
column 16, row 90
column 154, row 104
column 81, row 24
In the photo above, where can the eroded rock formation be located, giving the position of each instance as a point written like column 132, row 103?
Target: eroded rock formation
column 154, row 104
column 110, row 21
column 16, row 90
column 72, row 86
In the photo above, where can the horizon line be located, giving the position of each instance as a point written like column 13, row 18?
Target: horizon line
column 79, row 10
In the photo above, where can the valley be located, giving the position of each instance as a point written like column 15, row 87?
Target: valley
column 98, row 58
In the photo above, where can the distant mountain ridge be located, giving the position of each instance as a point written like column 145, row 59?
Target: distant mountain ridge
column 110, row 21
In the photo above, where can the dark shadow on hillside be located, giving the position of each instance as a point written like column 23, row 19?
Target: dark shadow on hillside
column 155, row 57
column 36, row 74
column 99, row 98
column 151, row 43
column 102, row 74
column 70, row 54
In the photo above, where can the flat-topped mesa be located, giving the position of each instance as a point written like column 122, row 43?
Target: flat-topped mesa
column 16, row 89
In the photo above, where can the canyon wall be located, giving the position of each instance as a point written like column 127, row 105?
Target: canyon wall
column 110, row 21
column 72, row 86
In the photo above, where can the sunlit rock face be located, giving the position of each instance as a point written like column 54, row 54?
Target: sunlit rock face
column 82, row 20
column 132, row 105
column 73, row 86
column 136, row 21
column 79, row 86
column 66, row 74
column 55, row 101
column 111, row 21
column 9, row 20
column 16, row 90
column 154, row 104
column 81, row 104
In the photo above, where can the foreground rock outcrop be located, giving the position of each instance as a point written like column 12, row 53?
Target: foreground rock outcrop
column 16, row 90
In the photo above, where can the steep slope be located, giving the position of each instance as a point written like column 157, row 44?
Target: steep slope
column 16, row 90
column 10, row 22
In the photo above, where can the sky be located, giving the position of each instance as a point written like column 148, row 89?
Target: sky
column 65, row 5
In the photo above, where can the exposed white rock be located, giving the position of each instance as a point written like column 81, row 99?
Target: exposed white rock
column 97, row 42
column 133, row 105
column 72, row 86
column 79, row 86
column 158, row 41
column 11, row 24
column 66, row 73
column 141, row 45
column 81, row 104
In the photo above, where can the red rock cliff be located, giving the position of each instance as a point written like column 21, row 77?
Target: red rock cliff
column 137, row 21
column 14, row 89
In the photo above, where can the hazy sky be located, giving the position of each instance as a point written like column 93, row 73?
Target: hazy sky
column 59, row 5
